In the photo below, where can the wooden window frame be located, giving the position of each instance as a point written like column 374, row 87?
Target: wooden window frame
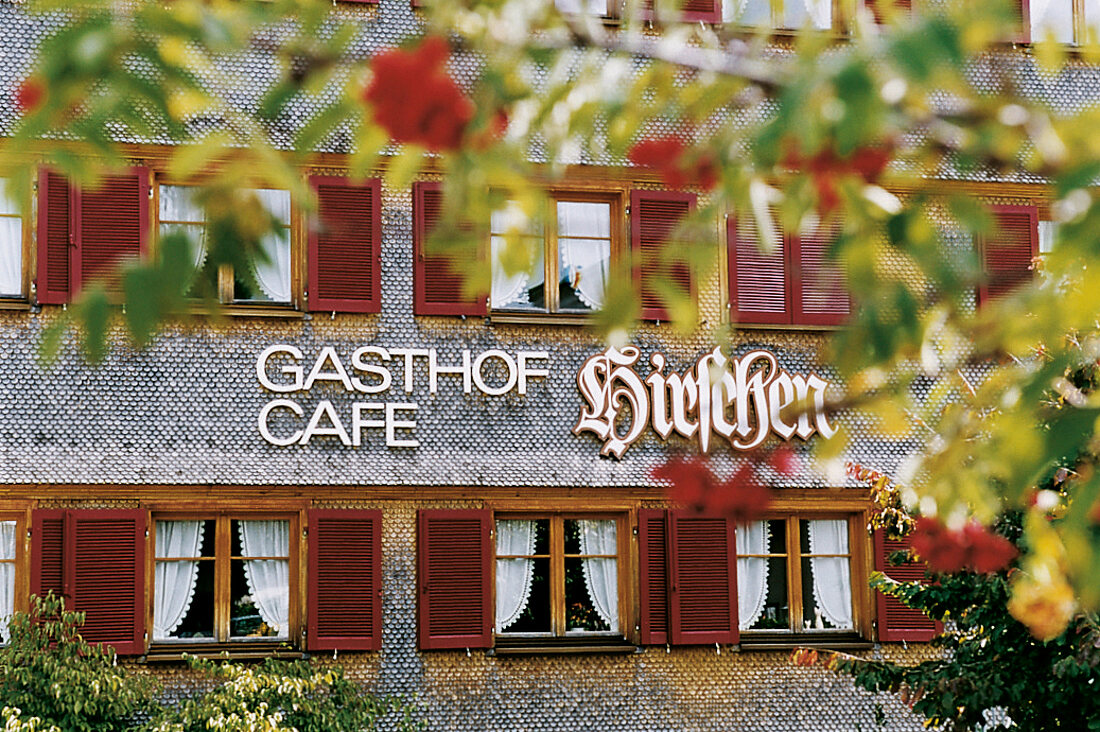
column 858, row 567
column 558, row 633
column 224, row 285
column 25, row 263
column 223, row 542
column 616, row 200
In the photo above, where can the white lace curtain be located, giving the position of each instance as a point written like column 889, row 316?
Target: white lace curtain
column 274, row 274
column 11, row 244
column 174, row 582
column 585, row 262
column 831, row 575
column 268, row 579
column 510, row 290
column 7, row 577
column 1052, row 17
column 752, row 572
column 601, row 574
column 796, row 13
column 178, row 206
column 513, row 575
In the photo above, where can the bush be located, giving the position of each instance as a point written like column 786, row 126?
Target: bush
column 49, row 671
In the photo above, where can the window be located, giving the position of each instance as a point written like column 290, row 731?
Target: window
column 1006, row 254
column 557, row 576
column 571, row 245
column 224, row 579
column 10, row 549
column 790, row 14
column 11, row 244
column 795, row 575
column 1066, row 21
column 795, row 283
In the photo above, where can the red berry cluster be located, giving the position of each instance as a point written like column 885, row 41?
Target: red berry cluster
column 414, row 97
column 743, row 497
column 973, row 547
column 826, row 167
column 30, row 95
column 678, row 165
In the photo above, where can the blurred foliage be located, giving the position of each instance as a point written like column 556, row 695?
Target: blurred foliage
column 802, row 131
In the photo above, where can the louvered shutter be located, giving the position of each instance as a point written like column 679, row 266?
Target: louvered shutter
column 703, row 596
column 653, row 575
column 876, row 7
column 54, row 238
column 654, row 216
column 454, row 569
column 437, row 286
column 895, row 621
column 1023, row 13
column 48, row 552
column 344, row 580
column 819, row 290
column 691, row 11
column 759, row 289
column 95, row 559
column 344, row 247
column 1007, row 253
column 111, row 224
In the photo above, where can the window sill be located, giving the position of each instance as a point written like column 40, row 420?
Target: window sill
column 516, row 318
column 787, row 327
column 238, row 651
column 11, row 303
column 788, row 641
column 239, row 310
column 561, row 646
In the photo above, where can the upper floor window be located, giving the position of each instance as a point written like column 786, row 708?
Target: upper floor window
column 571, row 249
column 795, row 282
column 795, row 575
column 789, row 14
column 1066, row 21
column 11, row 243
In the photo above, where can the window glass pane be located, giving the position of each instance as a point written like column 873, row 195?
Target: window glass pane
column 592, row 7
column 762, row 579
column 1048, row 231
column 775, row 613
column 177, row 203
column 183, row 587
column 11, row 244
column 517, row 257
column 7, row 576
column 591, row 595
column 584, row 254
column 1092, row 22
column 270, row 275
column 747, row 12
column 260, row 579
column 533, row 615
column 1052, row 18
column 816, row 14
column 826, row 575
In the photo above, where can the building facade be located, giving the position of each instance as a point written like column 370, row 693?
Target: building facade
column 453, row 496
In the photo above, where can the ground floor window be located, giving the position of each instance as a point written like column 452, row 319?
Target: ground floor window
column 557, row 576
column 222, row 578
column 795, row 575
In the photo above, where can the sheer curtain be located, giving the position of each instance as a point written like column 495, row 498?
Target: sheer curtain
column 601, row 575
column 1051, row 17
column 511, row 290
column 268, row 579
column 831, row 575
column 11, row 244
column 178, row 206
column 513, row 575
column 585, row 262
column 816, row 14
column 1048, row 231
column 274, row 274
column 752, row 572
column 174, row 582
column 7, row 577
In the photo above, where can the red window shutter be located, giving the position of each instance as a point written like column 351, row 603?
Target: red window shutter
column 1023, row 10
column 344, row 580
column 1007, row 253
column 344, row 248
column 111, row 224
column 654, row 216
column 759, row 290
column 437, row 287
column 653, row 574
column 691, row 11
column 819, row 289
column 54, row 238
column 48, row 552
column 876, row 7
column 454, row 569
column 895, row 621
column 703, row 600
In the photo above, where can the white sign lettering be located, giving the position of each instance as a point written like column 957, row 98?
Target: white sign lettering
column 739, row 400
column 281, row 368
